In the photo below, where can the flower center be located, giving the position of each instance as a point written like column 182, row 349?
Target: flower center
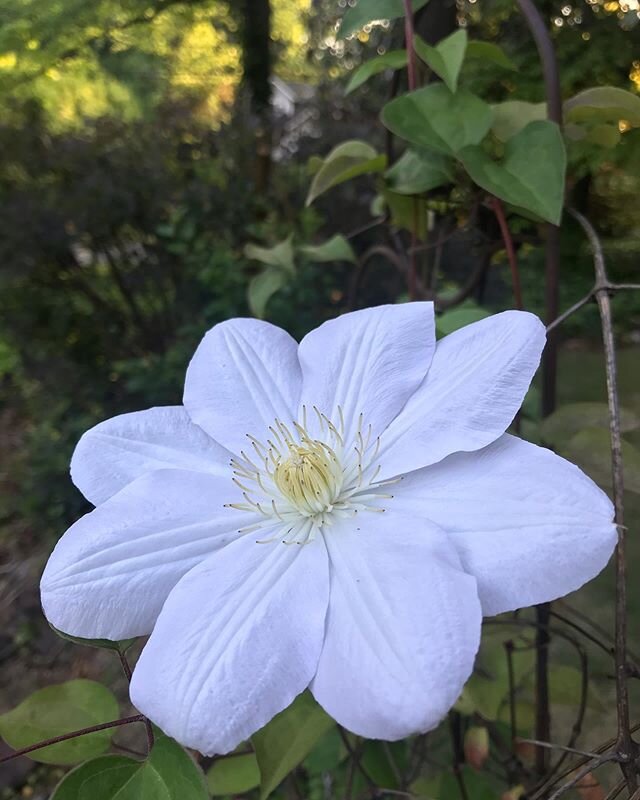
column 304, row 482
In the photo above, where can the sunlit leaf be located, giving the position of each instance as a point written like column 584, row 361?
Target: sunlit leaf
column 435, row 118
column 263, row 286
column 604, row 104
column 419, row 171
column 288, row 739
column 487, row 51
column 364, row 11
column 394, row 59
column 530, row 176
column 233, row 774
column 60, row 709
column 446, row 57
column 512, row 116
column 346, row 161
column 168, row 774
column 337, row 248
column 280, row 255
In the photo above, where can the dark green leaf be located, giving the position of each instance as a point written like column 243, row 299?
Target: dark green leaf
column 570, row 419
column 60, row 709
column 168, row 774
column 419, row 171
column 335, row 249
column 346, row 161
column 512, row 116
column 280, row 255
column 365, row 11
column 327, row 754
column 487, row 51
column 394, row 59
column 408, row 212
column 263, row 286
column 437, row 119
column 603, row 104
column 446, row 58
column 288, row 739
column 457, row 318
column 233, row 774
column 531, row 174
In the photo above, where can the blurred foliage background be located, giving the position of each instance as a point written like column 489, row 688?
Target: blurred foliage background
column 145, row 143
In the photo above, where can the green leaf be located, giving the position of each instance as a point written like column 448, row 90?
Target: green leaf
column 346, row 161
column 603, row 104
column 531, row 174
column 446, row 58
column 280, row 255
column 288, row 739
column 60, row 709
column 591, row 451
column 567, row 420
column 327, row 754
column 437, row 119
column 335, row 249
column 233, row 774
column 408, row 212
column 457, row 318
column 394, row 59
column 106, row 644
column 487, row 51
column 512, row 116
column 365, row 11
column 168, row 774
column 418, row 171
column 262, row 287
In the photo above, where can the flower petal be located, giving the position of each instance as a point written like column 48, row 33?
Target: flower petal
column 119, row 450
column 403, row 627
column 529, row 525
column 368, row 362
column 244, row 375
column 111, row 572
column 475, row 385
column 237, row 640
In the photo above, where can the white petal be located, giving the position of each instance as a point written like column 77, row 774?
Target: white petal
column 403, row 627
column 237, row 640
column 368, row 362
column 121, row 449
column 475, row 385
column 111, row 572
column 529, row 525
column 244, row 375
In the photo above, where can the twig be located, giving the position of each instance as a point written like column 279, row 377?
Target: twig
column 498, row 210
column 569, row 312
column 626, row 746
column 616, row 790
column 564, row 748
column 582, row 773
column 127, row 671
column 73, row 735
column 412, row 74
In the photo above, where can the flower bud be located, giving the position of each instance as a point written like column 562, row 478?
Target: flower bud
column 476, row 746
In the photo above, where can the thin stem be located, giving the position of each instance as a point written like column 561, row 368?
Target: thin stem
column 127, row 671
column 582, row 773
column 562, row 747
column 116, row 723
column 412, row 72
column 626, row 745
column 569, row 312
column 498, row 210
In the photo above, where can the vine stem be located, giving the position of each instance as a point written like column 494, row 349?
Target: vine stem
column 147, row 722
column 498, row 210
column 412, row 77
column 625, row 744
column 116, row 723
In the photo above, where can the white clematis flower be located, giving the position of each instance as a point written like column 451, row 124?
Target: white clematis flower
column 336, row 515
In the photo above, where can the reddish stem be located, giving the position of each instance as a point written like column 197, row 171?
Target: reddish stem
column 116, row 723
column 412, row 72
column 498, row 210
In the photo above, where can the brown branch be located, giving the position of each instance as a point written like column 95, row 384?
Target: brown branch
column 73, row 735
column 582, row 773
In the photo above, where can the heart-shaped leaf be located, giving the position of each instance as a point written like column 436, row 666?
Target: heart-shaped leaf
column 603, row 104
column 487, row 51
column 346, row 161
column 531, row 174
column 394, row 59
column 280, row 255
column 288, row 739
column 512, row 116
column 168, row 774
column 364, row 11
column 263, row 286
column 446, row 58
column 437, row 119
column 419, row 171
column 60, row 709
